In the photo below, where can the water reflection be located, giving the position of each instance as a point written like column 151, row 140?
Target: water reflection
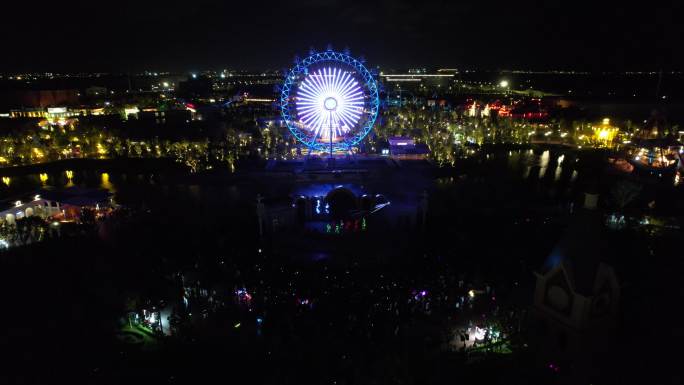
column 526, row 174
column 105, row 184
column 70, row 177
column 544, row 164
column 558, row 173
column 526, row 164
column 559, row 169
column 511, row 164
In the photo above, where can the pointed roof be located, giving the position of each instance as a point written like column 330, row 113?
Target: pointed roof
column 581, row 250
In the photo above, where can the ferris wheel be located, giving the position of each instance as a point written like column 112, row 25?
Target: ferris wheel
column 329, row 101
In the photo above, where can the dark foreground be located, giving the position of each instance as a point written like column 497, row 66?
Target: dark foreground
column 358, row 317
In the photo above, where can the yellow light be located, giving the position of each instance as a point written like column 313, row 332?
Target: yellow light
column 6, row 180
column 43, row 177
column 129, row 111
column 104, row 181
column 101, row 150
column 69, row 174
column 606, row 121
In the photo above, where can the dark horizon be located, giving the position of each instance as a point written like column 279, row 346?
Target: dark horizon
column 133, row 37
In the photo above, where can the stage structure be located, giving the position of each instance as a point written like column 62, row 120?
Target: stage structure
column 329, row 101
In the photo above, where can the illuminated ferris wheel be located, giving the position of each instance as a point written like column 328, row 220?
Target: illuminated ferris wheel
column 329, row 101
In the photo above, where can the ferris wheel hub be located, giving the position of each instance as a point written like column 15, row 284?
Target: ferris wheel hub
column 330, row 103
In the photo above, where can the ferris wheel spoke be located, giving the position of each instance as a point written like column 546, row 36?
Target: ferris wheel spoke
column 306, row 94
column 307, row 87
column 340, row 78
column 349, row 119
column 328, row 80
column 353, row 116
column 352, row 91
column 332, row 80
column 306, row 108
column 307, row 112
column 309, row 92
column 334, row 76
column 346, row 85
column 320, row 82
column 319, row 121
column 345, row 121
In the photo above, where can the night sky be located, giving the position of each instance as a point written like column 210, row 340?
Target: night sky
column 70, row 36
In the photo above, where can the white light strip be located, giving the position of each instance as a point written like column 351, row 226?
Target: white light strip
column 403, row 80
column 420, row 75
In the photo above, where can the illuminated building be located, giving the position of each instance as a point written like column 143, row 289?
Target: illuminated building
column 655, row 155
column 406, row 148
column 529, row 110
column 55, row 115
column 604, row 134
column 65, row 204
column 417, row 77
column 652, row 153
column 131, row 112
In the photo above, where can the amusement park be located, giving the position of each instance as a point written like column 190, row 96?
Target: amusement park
column 342, row 221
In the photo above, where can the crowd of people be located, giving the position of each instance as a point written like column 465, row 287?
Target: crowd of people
column 367, row 306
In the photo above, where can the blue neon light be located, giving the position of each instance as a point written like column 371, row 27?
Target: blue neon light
column 329, row 94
